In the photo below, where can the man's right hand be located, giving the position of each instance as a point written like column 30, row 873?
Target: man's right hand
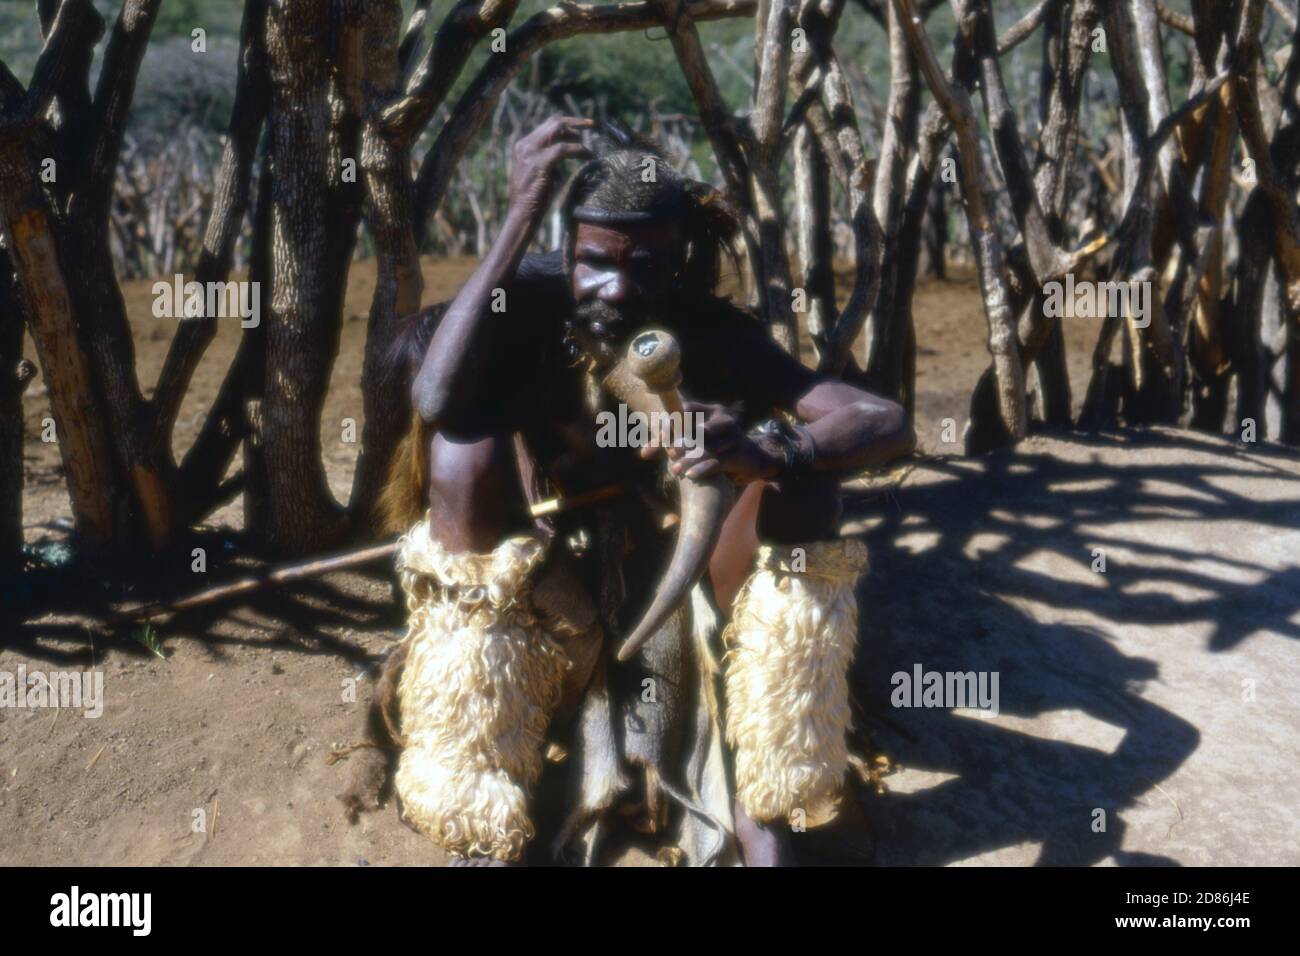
column 536, row 160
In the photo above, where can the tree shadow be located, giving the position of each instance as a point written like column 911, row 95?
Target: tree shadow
column 986, row 565
column 67, row 608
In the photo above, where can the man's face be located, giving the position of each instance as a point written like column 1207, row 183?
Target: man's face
column 622, row 279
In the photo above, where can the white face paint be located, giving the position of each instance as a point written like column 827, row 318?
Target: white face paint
column 588, row 279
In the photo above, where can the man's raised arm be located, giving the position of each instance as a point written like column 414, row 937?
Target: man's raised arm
column 452, row 375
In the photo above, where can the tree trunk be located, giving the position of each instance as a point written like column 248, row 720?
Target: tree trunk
column 304, row 321
column 936, row 232
column 14, row 376
column 386, row 163
column 82, row 436
column 1054, row 380
column 813, row 234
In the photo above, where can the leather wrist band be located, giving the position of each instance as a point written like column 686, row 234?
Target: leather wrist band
column 794, row 442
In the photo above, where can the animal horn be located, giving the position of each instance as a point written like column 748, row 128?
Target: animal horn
column 646, row 381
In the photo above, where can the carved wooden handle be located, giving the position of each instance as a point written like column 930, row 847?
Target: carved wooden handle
column 655, row 357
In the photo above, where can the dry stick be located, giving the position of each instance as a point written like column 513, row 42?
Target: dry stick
column 833, row 120
column 1060, row 106
column 338, row 562
column 1047, row 260
column 1286, row 220
column 281, row 575
column 1281, row 200
column 96, row 147
column 114, row 93
column 1165, row 336
column 467, row 23
column 1023, row 29
column 1210, row 351
column 75, row 22
column 895, row 297
column 1004, row 344
column 1178, row 21
column 1058, row 144
column 399, row 285
column 1134, row 250
column 726, row 136
column 413, row 34
column 1151, row 62
column 834, row 123
column 836, row 126
column 1035, row 197
column 812, row 214
column 1132, row 235
column 229, row 202
column 43, row 288
column 557, row 23
column 95, row 759
column 1287, row 14
column 767, row 144
column 902, row 113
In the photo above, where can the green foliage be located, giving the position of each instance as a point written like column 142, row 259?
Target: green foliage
column 629, row 71
column 147, row 636
column 218, row 17
column 20, row 37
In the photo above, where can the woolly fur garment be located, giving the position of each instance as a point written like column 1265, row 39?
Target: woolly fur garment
column 481, row 681
column 789, row 646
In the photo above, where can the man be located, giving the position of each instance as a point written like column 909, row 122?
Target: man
column 514, row 616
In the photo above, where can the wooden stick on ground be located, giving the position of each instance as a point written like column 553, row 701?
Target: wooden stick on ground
column 281, row 575
column 339, row 562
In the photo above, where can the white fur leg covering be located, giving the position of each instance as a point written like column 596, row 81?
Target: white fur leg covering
column 481, row 681
column 789, row 645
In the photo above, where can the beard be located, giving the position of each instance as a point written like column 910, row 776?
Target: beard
column 603, row 330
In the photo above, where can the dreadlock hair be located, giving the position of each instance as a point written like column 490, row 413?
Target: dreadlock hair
column 615, row 179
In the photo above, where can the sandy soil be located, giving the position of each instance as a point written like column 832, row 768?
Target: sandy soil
column 1121, row 692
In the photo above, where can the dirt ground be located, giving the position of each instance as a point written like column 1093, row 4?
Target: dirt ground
column 1160, row 693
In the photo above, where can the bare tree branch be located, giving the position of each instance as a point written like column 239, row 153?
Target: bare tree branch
column 1287, row 14
column 113, row 96
column 1178, row 21
column 75, row 27
column 1023, row 29
column 832, row 120
column 556, row 23
column 413, row 35
column 989, row 255
column 229, row 203
column 765, row 149
column 725, row 135
column 1281, row 199
column 467, row 23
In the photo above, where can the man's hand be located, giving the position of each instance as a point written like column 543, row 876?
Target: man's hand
column 717, row 444
column 536, row 159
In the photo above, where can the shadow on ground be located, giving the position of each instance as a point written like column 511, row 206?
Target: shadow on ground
column 64, row 608
column 988, row 565
column 1118, row 692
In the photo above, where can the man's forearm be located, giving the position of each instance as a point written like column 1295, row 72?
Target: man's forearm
column 860, row 436
column 852, row 429
column 452, row 372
